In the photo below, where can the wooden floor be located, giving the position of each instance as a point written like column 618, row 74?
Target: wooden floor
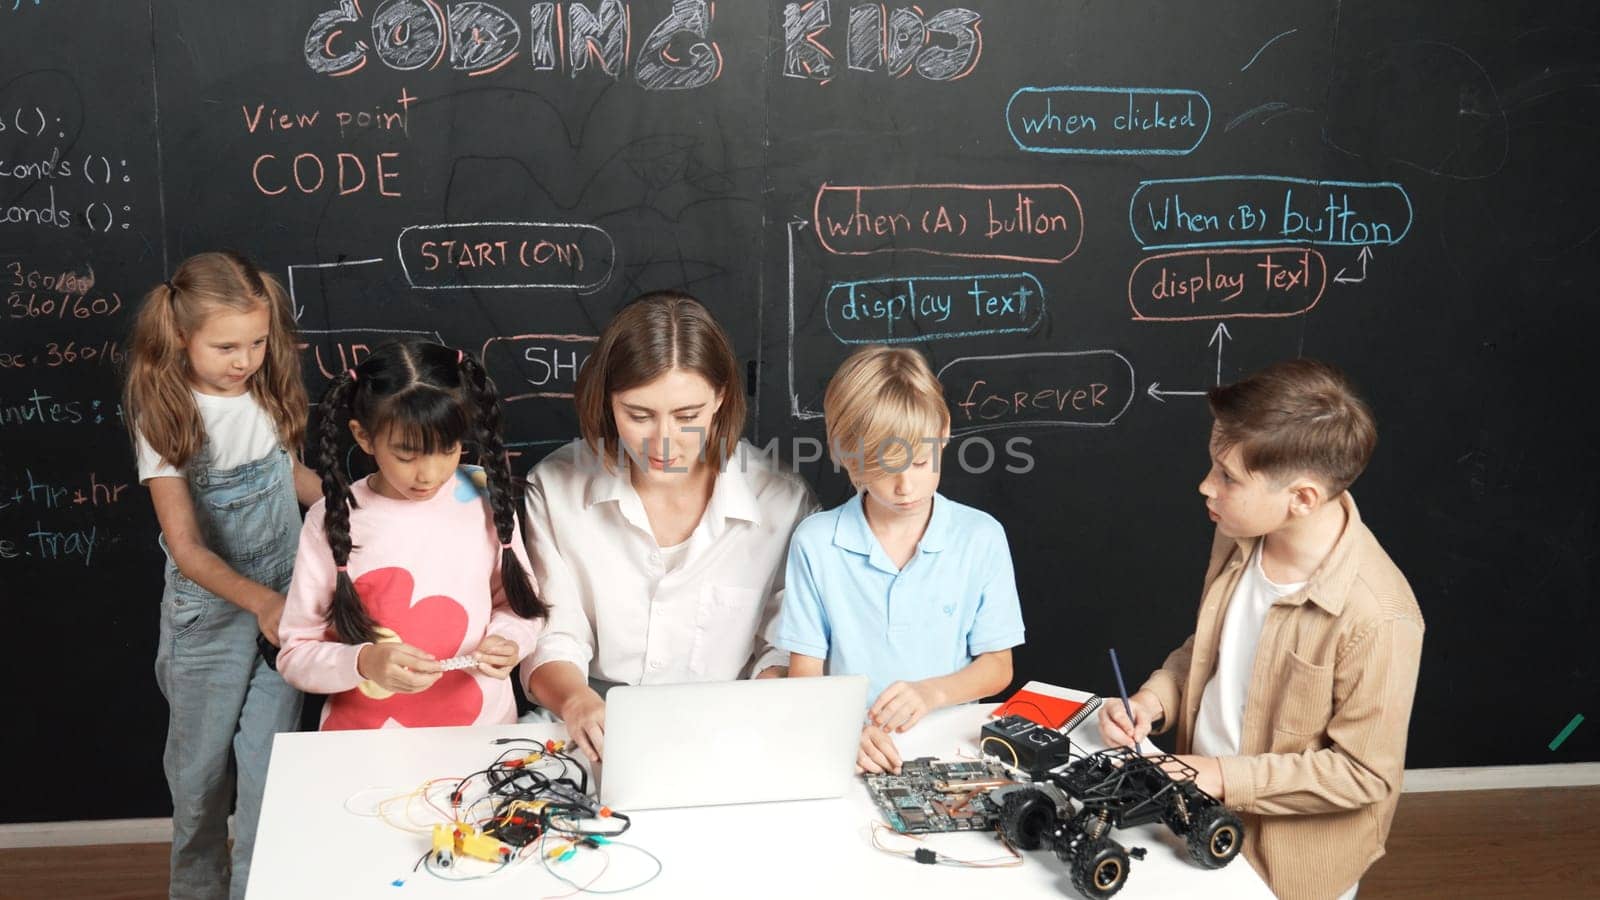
column 1538, row 844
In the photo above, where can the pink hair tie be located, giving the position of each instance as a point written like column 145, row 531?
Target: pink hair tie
column 506, row 546
column 341, row 568
column 460, row 355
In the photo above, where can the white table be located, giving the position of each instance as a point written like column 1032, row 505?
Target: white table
column 311, row 846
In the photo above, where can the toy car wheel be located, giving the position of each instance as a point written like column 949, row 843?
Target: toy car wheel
column 1026, row 817
column 1100, row 868
column 1215, row 837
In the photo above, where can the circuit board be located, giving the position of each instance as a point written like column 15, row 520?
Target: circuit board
column 929, row 796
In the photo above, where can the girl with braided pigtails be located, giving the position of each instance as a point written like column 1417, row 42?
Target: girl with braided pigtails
column 420, row 561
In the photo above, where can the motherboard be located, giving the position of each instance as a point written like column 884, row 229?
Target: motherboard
column 930, row 796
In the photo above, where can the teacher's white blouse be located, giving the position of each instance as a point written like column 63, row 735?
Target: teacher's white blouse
column 620, row 611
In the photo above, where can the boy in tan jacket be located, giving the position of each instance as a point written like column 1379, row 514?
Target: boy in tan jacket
column 1293, row 695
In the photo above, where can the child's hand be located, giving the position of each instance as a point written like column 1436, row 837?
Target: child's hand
column 877, row 754
column 902, row 705
column 267, row 618
column 585, row 717
column 400, row 668
column 1117, row 731
column 497, row 656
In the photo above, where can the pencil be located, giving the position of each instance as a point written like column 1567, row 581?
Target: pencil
column 1122, row 687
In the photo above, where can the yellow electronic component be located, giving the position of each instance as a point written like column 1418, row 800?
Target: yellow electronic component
column 444, row 844
column 477, row 845
column 452, row 839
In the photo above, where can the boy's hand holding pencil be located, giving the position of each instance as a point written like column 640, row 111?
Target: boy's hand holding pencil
column 1117, row 730
column 1127, row 724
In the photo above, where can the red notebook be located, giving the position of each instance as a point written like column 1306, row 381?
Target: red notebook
column 1053, row 707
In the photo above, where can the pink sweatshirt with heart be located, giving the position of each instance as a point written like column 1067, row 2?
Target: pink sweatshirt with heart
column 430, row 572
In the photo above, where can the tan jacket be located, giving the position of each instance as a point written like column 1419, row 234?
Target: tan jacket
column 1323, row 744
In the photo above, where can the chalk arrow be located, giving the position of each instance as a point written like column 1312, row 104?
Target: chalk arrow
column 1366, row 254
column 1160, row 396
column 1220, row 337
column 795, row 409
column 294, row 301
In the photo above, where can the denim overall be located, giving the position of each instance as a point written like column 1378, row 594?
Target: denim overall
column 224, row 703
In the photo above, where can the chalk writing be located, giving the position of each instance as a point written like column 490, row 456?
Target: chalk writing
column 1190, row 285
column 46, row 169
column 39, row 408
column 55, row 354
column 102, row 217
column 52, row 545
column 565, row 255
column 942, row 47
column 99, row 215
column 598, row 37
column 34, row 305
column 22, row 120
column 1023, row 222
column 395, row 116
column 327, row 353
column 482, row 38
column 36, row 492
column 525, row 366
column 660, row 69
column 1108, row 120
column 1267, row 209
column 47, row 213
column 901, row 310
column 66, row 282
column 62, row 183
column 311, row 173
column 1091, row 388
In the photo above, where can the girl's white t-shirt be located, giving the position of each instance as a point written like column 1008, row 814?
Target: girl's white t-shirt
column 239, row 431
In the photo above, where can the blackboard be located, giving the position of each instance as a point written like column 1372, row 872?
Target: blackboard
column 1085, row 214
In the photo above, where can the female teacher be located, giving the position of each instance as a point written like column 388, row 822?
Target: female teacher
column 659, row 537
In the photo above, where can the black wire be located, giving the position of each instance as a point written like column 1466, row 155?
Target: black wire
column 511, row 783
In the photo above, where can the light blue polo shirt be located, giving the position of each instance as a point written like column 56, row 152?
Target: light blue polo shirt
column 846, row 603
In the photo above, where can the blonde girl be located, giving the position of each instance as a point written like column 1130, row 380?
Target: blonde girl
column 217, row 412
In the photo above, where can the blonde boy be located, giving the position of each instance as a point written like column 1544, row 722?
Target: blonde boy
column 1294, row 693
column 899, row 583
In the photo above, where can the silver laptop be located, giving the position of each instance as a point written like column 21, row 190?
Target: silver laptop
column 704, row 744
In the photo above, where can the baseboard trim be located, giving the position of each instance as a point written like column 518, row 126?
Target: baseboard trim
column 82, row 833
column 1499, row 778
column 1418, row 781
